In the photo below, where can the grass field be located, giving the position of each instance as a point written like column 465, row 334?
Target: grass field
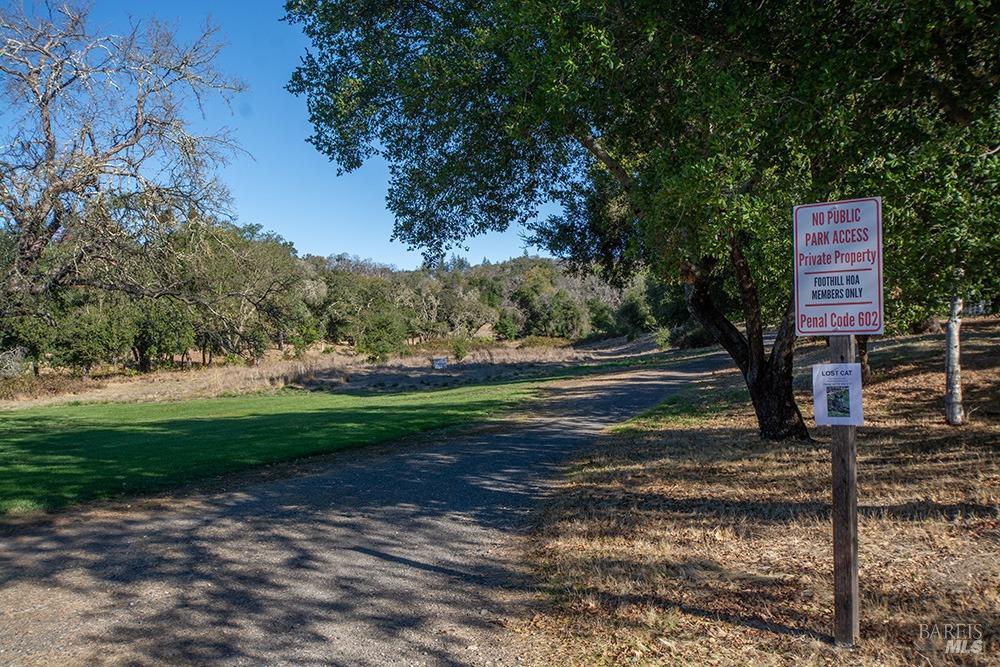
column 684, row 539
column 59, row 455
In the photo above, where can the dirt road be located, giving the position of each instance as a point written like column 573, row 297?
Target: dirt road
column 390, row 555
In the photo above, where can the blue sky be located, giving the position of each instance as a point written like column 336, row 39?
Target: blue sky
column 286, row 185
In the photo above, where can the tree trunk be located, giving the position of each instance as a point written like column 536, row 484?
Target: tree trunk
column 866, row 367
column 769, row 379
column 954, row 412
column 778, row 416
column 768, row 376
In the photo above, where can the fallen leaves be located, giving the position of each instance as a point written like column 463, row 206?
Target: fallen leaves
column 684, row 539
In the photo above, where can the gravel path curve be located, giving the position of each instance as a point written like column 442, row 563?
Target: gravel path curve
column 391, row 555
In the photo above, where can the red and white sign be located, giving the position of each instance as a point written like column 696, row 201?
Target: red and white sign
column 838, row 268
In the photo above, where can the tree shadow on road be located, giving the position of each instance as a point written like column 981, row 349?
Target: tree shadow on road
column 349, row 561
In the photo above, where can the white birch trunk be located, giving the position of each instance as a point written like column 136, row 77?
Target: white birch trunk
column 954, row 412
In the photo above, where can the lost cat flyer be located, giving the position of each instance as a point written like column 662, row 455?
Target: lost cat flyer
column 837, row 394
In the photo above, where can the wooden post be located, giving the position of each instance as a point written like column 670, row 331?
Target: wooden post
column 845, row 516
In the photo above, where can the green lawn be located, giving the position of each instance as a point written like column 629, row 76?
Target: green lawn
column 59, row 455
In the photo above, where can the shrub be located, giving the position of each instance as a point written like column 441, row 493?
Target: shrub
column 92, row 335
column 233, row 359
column 634, row 316
column 603, row 323
column 565, row 317
column 666, row 302
column 32, row 335
column 383, row 335
column 506, row 326
column 256, row 343
column 304, row 336
column 460, row 347
column 690, row 335
column 662, row 336
column 162, row 329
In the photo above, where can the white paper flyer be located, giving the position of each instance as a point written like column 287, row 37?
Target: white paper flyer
column 837, row 394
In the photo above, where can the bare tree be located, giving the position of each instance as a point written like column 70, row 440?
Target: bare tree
column 98, row 162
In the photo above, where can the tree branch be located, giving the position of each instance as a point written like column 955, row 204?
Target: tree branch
column 751, row 309
column 617, row 170
column 783, row 350
column 702, row 307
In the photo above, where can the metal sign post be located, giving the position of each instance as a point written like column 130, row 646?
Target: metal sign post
column 838, row 293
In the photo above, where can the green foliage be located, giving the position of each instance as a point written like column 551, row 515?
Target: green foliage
column 490, row 291
column 634, row 315
column 548, row 310
column 662, row 337
column 947, row 238
column 531, row 298
column 379, row 335
column 673, row 132
column 254, row 286
column 272, row 299
column 305, row 334
column 33, row 334
column 566, row 317
column 162, row 329
column 459, row 306
column 94, row 334
column 254, row 342
column 666, row 302
column 535, row 297
column 233, row 359
column 460, row 347
column 506, row 326
column 603, row 320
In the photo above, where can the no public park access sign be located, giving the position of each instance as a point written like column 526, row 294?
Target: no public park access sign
column 838, row 268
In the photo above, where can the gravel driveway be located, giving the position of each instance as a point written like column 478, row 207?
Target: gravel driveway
column 403, row 554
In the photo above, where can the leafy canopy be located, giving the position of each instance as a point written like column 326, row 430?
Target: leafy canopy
column 667, row 131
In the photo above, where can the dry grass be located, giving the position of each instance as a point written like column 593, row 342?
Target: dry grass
column 338, row 368
column 175, row 385
column 42, row 386
column 686, row 540
column 524, row 354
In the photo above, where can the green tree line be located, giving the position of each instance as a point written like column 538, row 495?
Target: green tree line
column 259, row 295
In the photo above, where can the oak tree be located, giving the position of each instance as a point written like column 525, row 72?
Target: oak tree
column 675, row 135
column 98, row 159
